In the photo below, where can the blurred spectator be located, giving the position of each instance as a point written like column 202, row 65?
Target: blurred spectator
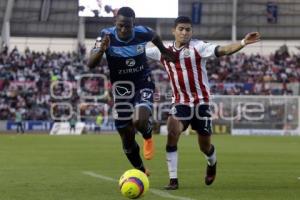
column 19, row 120
column 99, row 120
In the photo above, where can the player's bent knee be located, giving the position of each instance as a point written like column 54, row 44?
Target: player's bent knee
column 173, row 132
column 131, row 147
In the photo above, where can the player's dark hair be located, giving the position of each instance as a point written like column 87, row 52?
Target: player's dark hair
column 182, row 20
column 126, row 12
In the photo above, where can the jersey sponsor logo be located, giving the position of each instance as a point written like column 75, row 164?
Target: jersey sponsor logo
column 131, row 70
column 140, row 49
column 130, row 62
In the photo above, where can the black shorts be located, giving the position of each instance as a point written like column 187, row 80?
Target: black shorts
column 198, row 116
column 124, row 107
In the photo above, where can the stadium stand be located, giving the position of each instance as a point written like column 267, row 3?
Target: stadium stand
column 40, row 75
column 26, row 78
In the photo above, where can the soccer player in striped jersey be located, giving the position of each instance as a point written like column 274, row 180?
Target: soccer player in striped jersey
column 191, row 93
column 124, row 47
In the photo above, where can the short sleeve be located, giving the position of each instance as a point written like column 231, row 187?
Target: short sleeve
column 102, row 33
column 148, row 33
column 153, row 53
column 205, row 49
column 105, row 31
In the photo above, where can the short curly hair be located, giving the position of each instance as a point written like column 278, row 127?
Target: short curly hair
column 126, row 12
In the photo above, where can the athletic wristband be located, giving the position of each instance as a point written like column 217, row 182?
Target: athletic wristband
column 243, row 42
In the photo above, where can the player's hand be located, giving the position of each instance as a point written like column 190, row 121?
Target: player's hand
column 105, row 42
column 252, row 37
column 168, row 55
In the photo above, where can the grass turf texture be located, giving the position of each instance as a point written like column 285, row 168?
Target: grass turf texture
column 51, row 168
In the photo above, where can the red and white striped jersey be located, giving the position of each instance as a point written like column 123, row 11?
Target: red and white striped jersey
column 188, row 75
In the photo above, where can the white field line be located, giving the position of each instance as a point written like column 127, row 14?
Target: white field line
column 153, row 191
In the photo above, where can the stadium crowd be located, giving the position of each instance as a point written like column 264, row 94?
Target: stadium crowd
column 25, row 79
column 256, row 74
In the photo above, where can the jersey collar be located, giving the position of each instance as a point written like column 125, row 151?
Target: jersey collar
column 179, row 49
column 124, row 41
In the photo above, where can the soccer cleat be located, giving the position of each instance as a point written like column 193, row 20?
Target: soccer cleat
column 148, row 149
column 210, row 174
column 173, row 185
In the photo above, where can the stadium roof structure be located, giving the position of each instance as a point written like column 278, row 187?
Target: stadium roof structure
column 215, row 20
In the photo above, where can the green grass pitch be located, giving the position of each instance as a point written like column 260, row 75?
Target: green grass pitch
column 42, row 167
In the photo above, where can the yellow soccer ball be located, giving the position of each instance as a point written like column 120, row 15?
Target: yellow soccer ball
column 133, row 184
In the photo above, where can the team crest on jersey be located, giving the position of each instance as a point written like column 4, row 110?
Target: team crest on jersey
column 140, row 49
column 130, row 62
column 186, row 53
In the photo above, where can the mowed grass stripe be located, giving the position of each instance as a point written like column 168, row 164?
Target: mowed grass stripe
column 46, row 168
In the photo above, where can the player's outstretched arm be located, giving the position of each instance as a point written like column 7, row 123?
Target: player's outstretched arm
column 167, row 54
column 250, row 38
column 98, row 51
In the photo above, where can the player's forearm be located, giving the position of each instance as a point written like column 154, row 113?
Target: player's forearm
column 158, row 43
column 230, row 49
column 95, row 58
column 166, row 54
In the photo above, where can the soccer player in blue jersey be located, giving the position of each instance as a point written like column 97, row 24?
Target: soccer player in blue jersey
column 124, row 47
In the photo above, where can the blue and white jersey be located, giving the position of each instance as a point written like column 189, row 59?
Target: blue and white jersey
column 127, row 60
